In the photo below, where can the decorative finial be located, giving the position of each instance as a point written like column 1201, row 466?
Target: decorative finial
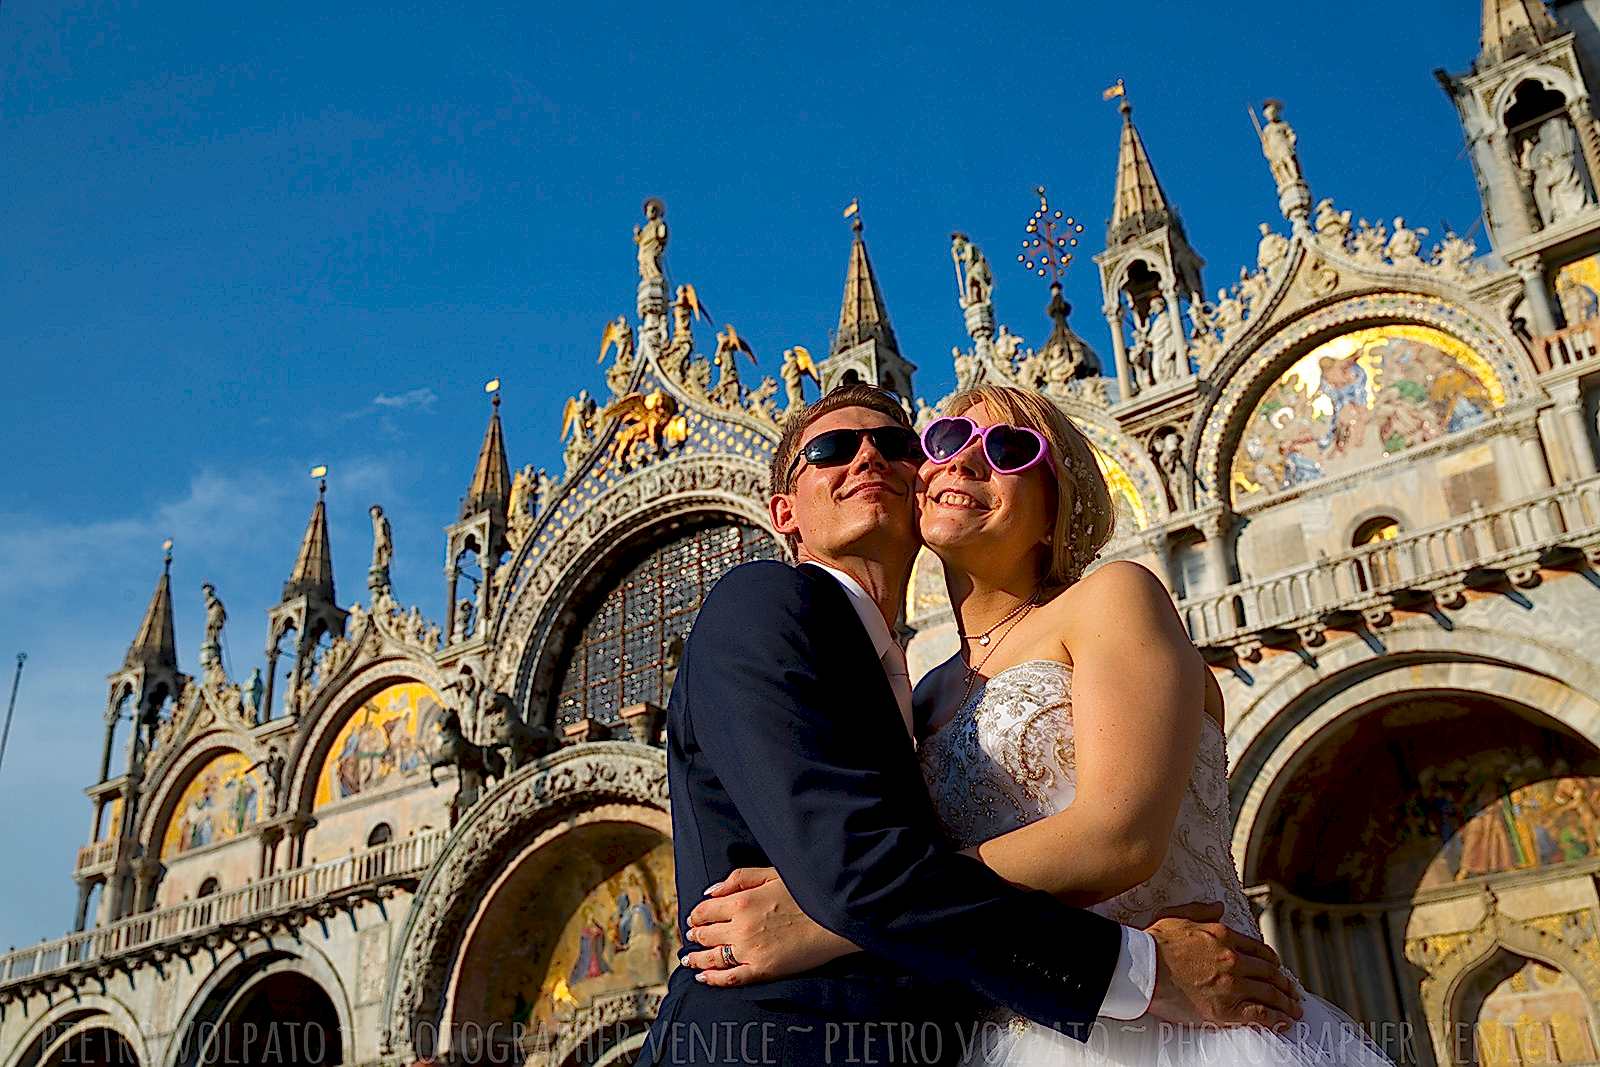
column 492, row 387
column 320, row 472
column 853, row 213
column 1046, row 250
column 166, row 550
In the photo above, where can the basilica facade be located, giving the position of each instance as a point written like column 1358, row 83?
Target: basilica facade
column 1365, row 467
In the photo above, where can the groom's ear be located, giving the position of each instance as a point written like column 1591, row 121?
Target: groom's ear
column 781, row 508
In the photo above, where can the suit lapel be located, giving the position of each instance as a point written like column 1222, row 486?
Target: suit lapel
column 862, row 661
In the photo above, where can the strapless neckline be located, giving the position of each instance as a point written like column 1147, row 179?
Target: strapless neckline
column 976, row 698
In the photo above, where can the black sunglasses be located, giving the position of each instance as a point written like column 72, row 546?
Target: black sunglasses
column 894, row 443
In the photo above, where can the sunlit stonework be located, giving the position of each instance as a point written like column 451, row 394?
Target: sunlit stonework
column 435, row 822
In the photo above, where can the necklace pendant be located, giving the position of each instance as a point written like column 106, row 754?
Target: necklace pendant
column 984, row 640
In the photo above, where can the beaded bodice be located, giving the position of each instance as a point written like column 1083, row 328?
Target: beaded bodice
column 1007, row 758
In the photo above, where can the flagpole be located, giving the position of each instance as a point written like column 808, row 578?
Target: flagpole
column 16, row 680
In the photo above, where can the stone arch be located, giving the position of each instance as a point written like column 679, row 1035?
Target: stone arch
column 1543, row 74
column 1248, row 374
column 1387, row 510
column 85, row 1013
column 1277, row 733
column 236, row 976
column 1114, row 443
column 175, row 777
column 536, row 618
column 504, row 824
column 333, row 706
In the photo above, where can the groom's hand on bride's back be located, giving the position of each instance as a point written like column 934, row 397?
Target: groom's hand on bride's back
column 1207, row 973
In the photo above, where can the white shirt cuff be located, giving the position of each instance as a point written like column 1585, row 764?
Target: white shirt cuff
column 1133, row 983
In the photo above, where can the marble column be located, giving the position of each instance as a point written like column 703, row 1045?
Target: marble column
column 1537, row 473
column 1119, row 351
column 1536, row 290
column 1569, row 408
column 1219, row 574
column 85, row 890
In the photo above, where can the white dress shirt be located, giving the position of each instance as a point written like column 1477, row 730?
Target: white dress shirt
column 1133, row 983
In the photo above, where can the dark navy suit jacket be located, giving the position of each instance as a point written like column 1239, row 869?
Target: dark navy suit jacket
column 785, row 748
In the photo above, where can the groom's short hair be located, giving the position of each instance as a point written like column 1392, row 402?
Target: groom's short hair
column 853, row 395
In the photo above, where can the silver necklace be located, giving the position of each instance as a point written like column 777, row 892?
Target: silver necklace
column 983, row 638
column 972, row 671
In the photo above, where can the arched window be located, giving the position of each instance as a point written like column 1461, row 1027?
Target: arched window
column 1378, row 528
column 207, row 888
column 621, row 656
column 381, row 835
column 1378, row 567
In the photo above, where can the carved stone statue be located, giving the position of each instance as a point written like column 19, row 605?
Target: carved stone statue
column 618, row 334
column 974, row 278
column 1169, row 353
column 797, row 367
column 1278, row 145
column 1272, row 250
column 652, row 240
column 530, row 492
column 1370, row 241
column 465, row 610
column 216, row 616
column 382, row 551
column 1006, row 345
column 211, row 647
column 1454, row 256
column 729, row 346
column 504, row 729
column 253, row 689
column 1253, row 289
column 272, row 766
column 1332, row 224
column 760, row 400
column 1405, row 244
column 1169, row 459
column 1229, row 314
column 1550, row 161
column 580, row 425
column 1141, row 360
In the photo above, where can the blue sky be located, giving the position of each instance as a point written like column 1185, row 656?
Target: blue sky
column 238, row 240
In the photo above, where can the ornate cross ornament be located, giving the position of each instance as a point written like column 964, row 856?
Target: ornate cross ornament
column 1051, row 236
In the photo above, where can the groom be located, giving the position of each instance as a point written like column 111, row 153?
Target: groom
column 788, row 745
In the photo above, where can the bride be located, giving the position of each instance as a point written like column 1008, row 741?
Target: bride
column 1074, row 744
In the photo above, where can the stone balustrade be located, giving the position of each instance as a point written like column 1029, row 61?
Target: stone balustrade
column 1438, row 563
column 1573, row 346
column 97, row 854
column 278, row 894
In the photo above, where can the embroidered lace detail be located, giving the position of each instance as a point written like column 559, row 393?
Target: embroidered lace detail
column 1008, row 757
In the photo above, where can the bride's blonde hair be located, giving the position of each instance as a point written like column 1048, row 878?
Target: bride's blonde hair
column 1085, row 517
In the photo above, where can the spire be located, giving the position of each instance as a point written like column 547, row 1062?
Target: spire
column 1139, row 205
column 313, row 567
column 1513, row 27
column 155, row 646
column 491, row 479
column 862, row 316
column 1064, row 342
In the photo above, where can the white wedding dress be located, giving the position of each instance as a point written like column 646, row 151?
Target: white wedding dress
column 1007, row 758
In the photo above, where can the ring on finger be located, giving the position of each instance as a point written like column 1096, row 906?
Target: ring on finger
column 727, row 957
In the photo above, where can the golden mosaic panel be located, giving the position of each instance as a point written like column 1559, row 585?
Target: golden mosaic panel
column 1357, row 399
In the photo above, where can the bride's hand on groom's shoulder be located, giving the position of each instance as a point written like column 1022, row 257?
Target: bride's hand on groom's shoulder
column 752, row 913
column 1209, row 974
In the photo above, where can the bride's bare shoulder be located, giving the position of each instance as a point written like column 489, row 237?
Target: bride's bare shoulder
column 1122, row 583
